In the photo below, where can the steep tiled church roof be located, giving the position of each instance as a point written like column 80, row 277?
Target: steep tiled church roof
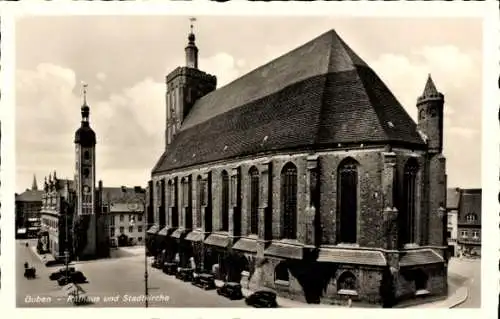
column 318, row 95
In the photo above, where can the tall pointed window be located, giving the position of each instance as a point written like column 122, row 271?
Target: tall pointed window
column 225, row 201
column 347, row 197
column 409, row 188
column 207, row 200
column 289, row 200
column 254, row 200
column 200, row 200
column 173, row 196
column 163, row 217
column 186, row 202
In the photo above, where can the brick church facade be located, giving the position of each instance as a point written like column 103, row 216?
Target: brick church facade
column 305, row 176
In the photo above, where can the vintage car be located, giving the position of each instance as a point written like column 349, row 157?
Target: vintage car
column 76, row 277
column 61, row 272
column 262, row 299
column 156, row 264
column 170, row 268
column 30, row 273
column 231, row 290
column 204, row 281
column 185, row 274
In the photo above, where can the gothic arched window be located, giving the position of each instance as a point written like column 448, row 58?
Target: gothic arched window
column 161, row 200
column 289, row 200
column 186, row 201
column 347, row 281
column 225, row 201
column 173, row 202
column 347, row 197
column 200, row 200
column 254, row 200
column 409, row 192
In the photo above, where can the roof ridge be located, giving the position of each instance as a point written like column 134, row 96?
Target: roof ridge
column 324, row 93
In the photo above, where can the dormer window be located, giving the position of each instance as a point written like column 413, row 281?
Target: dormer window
column 470, row 218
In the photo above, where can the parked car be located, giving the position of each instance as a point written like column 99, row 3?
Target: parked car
column 61, row 272
column 262, row 299
column 231, row 290
column 156, row 264
column 170, row 268
column 204, row 281
column 76, row 277
column 185, row 274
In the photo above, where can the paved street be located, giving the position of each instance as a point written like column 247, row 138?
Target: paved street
column 121, row 277
column 468, row 272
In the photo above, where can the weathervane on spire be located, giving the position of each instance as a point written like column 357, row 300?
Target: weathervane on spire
column 192, row 19
column 84, row 85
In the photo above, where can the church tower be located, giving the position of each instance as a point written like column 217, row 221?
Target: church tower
column 430, row 123
column 430, row 116
column 34, row 186
column 85, row 141
column 185, row 85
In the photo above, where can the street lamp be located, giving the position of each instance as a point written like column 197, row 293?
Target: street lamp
column 135, row 206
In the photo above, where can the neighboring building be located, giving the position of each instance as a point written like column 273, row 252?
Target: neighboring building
column 28, row 206
column 306, row 176
column 126, row 222
column 469, row 223
column 452, row 199
column 58, row 201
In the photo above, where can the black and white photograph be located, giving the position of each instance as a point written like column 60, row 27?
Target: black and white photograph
column 248, row 161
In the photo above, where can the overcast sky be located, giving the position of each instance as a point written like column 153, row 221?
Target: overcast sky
column 124, row 60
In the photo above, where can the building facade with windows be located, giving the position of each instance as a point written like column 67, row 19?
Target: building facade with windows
column 452, row 200
column 126, row 223
column 469, row 223
column 28, row 211
column 58, row 201
column 305, row 176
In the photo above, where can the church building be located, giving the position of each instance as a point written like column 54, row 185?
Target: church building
column 305, row 176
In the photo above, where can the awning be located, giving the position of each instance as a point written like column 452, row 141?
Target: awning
column 178, row 233
column 352, row 256
column 219, row 240
column 164, row 231
column 285, row 250
column 246, row 244
column 419, row 257
column 33, row 228
column 153, row 230
column 195, row 236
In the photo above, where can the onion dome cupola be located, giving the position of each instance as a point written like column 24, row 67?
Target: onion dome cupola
column 191, row 49
column 85, row 136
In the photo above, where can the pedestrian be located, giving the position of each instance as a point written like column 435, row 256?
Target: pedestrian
column 349, row 303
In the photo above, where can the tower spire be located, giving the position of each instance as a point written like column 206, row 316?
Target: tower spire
column 85, row 107
column 84, row 86
column 191, row 49
column 34, row 186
